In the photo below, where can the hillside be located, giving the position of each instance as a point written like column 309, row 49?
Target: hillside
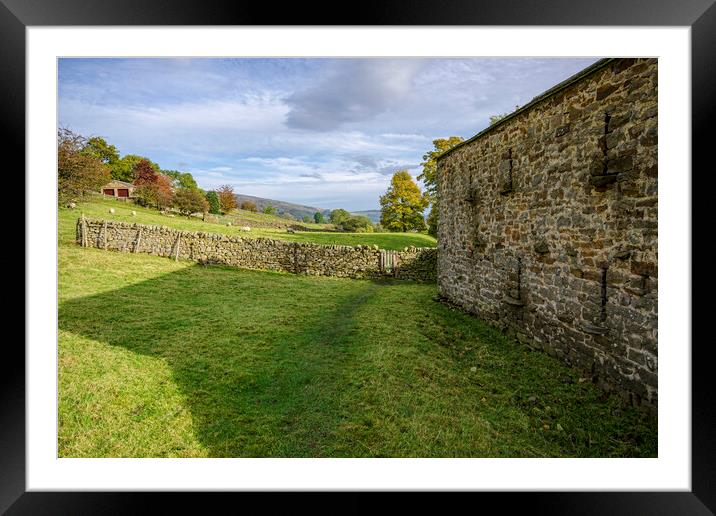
column 373, row 215
column 262, row 225
column 297, row 210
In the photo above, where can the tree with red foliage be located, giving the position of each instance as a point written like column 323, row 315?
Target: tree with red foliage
column 165, row 191
column 153, row 188
column 144, row 173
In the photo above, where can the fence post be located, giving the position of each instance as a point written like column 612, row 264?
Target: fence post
column 295, row 257
column 138, row 241
column 176, row 252
column 83, row 239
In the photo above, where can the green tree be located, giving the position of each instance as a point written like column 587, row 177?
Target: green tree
column 269, row 210
column 318, row 217
column 403, row 204
column 123, row 169
column 430, row 164
column 78, row 172
column 433, row 220
column 213, row 200
column 339, row 216
column 99, row 148
column 307, row 219
column 190, row 200
column 181, row 179
column 429, row 176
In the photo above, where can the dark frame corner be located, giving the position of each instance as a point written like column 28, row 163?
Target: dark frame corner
column 700, row 15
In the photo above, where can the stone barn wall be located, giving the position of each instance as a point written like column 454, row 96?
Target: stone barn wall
column 414, row 263
column 548, row 225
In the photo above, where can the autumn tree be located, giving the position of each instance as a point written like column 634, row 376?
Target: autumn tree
column 78, row 172
column 190, row 200
column 143, row 173
column 227, row 199
column 249, row 206
column 152, row 188
column 213, row 200
column 403, row 204
column 429, row 176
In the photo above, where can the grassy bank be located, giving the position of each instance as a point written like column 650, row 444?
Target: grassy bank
column 99, row 208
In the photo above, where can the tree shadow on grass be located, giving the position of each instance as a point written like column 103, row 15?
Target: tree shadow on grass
column 259, row 358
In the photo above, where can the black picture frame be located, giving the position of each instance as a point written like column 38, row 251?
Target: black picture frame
column 700, row 15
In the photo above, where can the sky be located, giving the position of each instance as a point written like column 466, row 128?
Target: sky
column 327, row 133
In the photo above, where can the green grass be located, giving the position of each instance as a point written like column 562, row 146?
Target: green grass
column 171, row 359
column 99, row 208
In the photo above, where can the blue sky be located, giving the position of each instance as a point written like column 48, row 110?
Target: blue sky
column 323, row 132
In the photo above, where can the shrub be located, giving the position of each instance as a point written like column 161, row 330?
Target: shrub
column 190, row 200
column 357, row 224
column 249, row 206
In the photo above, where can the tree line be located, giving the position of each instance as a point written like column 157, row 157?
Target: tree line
column 86, row 164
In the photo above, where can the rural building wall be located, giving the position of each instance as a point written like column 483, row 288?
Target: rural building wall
column 548, row 225
column 413, row 263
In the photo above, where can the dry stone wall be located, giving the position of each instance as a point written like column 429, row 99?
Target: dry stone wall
column 414, row 263
column 548, row 225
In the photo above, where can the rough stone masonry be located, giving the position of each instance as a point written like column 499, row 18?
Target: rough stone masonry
column 363, row 261
column 548, row 225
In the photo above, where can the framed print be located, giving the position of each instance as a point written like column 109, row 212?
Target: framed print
column 416, row 250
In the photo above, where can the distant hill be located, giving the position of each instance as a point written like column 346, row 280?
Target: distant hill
column 373, row 215
column 297, row 210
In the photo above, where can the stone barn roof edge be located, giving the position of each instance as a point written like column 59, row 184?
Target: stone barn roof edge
column 593, row 68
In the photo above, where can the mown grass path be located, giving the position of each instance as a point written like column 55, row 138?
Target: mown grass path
column 171, row 359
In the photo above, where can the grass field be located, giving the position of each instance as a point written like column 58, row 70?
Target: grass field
column 99, row 208
column 171, row 359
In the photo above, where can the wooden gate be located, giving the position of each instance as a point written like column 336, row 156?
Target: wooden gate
column 389, row 261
